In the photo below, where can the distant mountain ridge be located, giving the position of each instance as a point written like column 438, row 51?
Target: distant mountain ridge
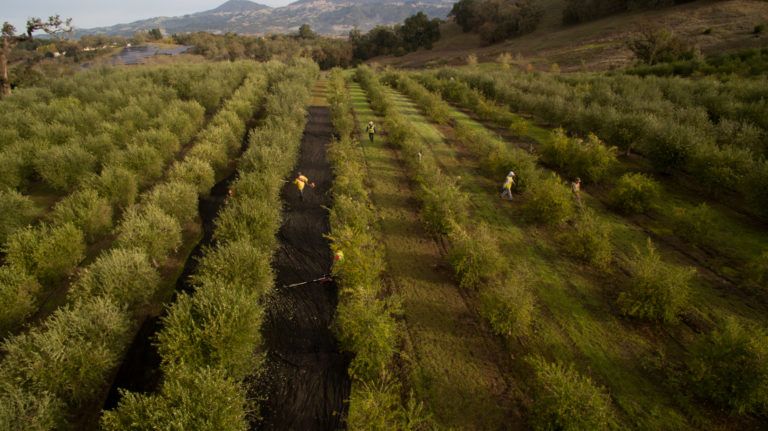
column 327, row 17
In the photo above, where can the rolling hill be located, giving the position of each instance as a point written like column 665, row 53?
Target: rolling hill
column 327, row 17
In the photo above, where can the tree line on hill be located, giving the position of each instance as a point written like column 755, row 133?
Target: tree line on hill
column 496, row 20
column 577, row 11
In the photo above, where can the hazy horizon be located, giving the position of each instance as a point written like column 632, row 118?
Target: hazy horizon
column 104, row 13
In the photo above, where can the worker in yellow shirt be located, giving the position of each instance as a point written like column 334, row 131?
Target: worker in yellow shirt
column 370, row 130
column 300, row 182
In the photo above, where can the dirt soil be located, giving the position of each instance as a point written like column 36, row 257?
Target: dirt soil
column 304, row 385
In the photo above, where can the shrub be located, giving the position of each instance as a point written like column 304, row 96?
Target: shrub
column 444, row 204
column 151, row 230
column 70, row 355
column 18, row 292
column 550, row 202
column 237, row 263
column 634, row 193
column 194, row 171
column 118, row 185
column 251, row 219
column 176, row 199
column 693, row 224
column 64, row 167
column 12, row 166
column 756, row 272
column 162, row 140
column 217, row 326
column 729, row 367
column 590, row 159
column 48, row 253
column 657, row 290
column 373, row 406
column 85, row 209
column 24, row 410
column 364, row 326
column 210, row 153
column 475, row 257
column 567, row 400
column 125, row 276
column 143, row 160
column 16, row 211
column 509, row 307
column 362, row 264
column 590, row 240
column 204, row 399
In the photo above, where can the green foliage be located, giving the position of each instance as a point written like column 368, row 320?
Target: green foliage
column 497, row 20
column 12, row 167
column 85, row 209
column 151, row 230
column 443, row 205
column 474, row 256
column 18, row 292
column 757, row 271
column 146, row 162
column 16, row 211
column 64, row 166
column 634, row 193
column 657, row 290
column 71, row 353
column 368, row 330
column 203, row 399
column 193, row 171
column 237, row 263
column 590, row 240
column 23, row 410
column 590, row 159
column 657, row 46
column 165, row 142
column 118, row 185
column 217, row 326
column 49, row 253
column 693, row 224
column 566, row 400
column 416, row 32
column 729, row 367
column 125, row 276
column 509, row 306
column 248, row 218
column 550, row 202
column 176, row 199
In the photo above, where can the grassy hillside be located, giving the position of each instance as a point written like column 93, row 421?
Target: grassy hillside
column 601, row 44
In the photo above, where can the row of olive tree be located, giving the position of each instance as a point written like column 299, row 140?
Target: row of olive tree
column 49, row 252
column 83, row 342
column 724, row 366
column 211, row 338
column 663, row 119
column 364, row 324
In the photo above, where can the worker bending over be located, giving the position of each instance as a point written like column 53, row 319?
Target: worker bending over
column 300, row 182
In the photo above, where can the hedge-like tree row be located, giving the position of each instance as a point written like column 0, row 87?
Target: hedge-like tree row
column 71, row 128
column 713, row 130
column 42, row 256
column 211, row 341
column 68, row 360
column 364, row 323
column 656, row 291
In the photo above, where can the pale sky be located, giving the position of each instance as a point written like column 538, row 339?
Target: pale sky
column 102, row 13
